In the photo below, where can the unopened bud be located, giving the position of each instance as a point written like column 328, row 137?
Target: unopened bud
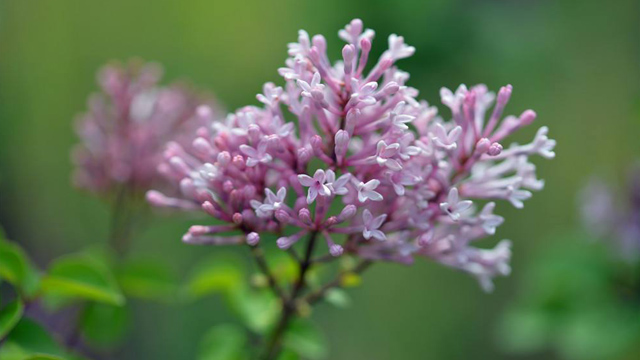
column 495, row 149
column 305, row 216
column 253, row 238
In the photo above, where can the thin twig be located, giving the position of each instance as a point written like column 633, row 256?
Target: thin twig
column 324, row 259
column 258, row 255
column 337, row 282
column 289, row 307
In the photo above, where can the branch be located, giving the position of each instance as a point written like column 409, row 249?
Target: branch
column 337, row 282
column 258, row 254
column 289, row 306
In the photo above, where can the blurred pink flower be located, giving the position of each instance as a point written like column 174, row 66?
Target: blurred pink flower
column 128, row 124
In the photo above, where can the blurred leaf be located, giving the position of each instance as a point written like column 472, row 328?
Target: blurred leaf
column 599, row 334
column 221, row 273
column 258, row 310
column 350, row 279
column 12, row 351
column 224, row 342
column 523, row 331
column 147, row 280
column 32, row 339
column 43, row 357
column 9, row 316
column 338, row 298
column 306, row 340
column 288, row 354
column 16, row 268
column 103, row 324
column 282, row 266
column 82, row 277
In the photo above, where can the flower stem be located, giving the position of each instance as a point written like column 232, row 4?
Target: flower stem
column 289, row 306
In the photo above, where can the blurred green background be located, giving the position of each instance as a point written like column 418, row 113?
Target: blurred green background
column 577, row 63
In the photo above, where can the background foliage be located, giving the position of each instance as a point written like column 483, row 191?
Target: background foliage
column 575, row 63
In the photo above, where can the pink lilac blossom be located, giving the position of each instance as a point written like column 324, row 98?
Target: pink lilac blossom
column 403, row 181
column 128, row 124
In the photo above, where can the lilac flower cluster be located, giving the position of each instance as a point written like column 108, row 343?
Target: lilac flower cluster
column 363, row 161
column 127, row 125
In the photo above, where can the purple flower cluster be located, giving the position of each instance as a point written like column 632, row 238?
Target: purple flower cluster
column 125, row 129
column 363, row 163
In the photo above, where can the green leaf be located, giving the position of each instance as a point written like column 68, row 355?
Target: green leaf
column 287, row 354
column 43, row 357
column 282, row 266
column 258, row 310
column 16, row 268
column 224, row 342
column 524, row 331
column 221, row 273
column 12, row 351
column 338, row 298
column 104, row 325
column 82, row 277
column 306, row 340
column 10, row 316
column 33, row 340
column 147, row 280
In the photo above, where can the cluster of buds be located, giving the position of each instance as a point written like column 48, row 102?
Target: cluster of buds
column 127, row 125
column 363, row 164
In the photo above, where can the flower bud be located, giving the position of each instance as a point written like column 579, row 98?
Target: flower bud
column 347, row 213
column 253, row 131
column 316, row 144
column 283, row 216
column 342, row 142
column 238, row 162
column 482, row 146
column 304, row 155
column 253, row 238
column 527, row 117
column 210, row 209
column 365, row 44
column 237, row 218
column 224, row 158
column 503, row 95
column 305, row 216
column 495, row 149
column 202, row 146
column 336, row 250
column 331, row 221
column 204, row 112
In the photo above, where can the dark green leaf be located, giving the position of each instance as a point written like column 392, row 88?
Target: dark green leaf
column 287, row 354
column 104, row 325
column 9, row 316
column 33, row 339
column 306, row 340
column 147, row 280
column 224, row 342
column 16, row 268
column 82, row 277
